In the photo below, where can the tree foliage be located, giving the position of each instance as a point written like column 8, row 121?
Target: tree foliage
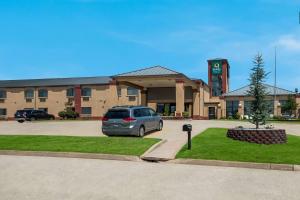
column 258, row 91
column 290, row 106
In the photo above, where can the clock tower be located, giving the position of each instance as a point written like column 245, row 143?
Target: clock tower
column 218, row 76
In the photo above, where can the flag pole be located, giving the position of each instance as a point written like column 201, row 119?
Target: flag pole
column 275, row 79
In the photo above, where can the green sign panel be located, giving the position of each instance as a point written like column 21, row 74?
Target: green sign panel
column 216, row 67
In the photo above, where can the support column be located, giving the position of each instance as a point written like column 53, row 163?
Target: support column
column 77, row 99
column 112, row 97
column 241, row 108
column 196, row 104
column 179, row 98
column 144, row 97
column 277, row 108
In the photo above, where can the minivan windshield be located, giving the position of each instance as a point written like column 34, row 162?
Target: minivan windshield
column 117, row 114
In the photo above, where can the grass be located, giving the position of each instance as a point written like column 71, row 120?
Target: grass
column 213, row 144
column 105, row 145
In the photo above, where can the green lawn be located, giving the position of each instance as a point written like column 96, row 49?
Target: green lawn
column 213, row 144
column 105, row 145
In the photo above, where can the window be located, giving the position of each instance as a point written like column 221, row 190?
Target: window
column 269, row 107
column 283, row 110
column 145, row 112
column 28, row 100
column 42, row 99
column 86, row 110
column 43, row 93
column 131, row 98
column 29, row 94
column 44, row 109
column 3, row 111
column 137, row 113
column 131, row 91
column 247, row 107
column 117, row 114
column 232, row 107
column 70, row 92
column 86, row 92
column 2, row 94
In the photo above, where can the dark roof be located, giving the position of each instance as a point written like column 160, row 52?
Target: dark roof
column 150, row 71
column 55, row 82
column 270, row 90
column 215, row 59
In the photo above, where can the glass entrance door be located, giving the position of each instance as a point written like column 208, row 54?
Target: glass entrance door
column 211, row 113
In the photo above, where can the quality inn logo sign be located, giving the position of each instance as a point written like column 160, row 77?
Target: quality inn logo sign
column 216, row 67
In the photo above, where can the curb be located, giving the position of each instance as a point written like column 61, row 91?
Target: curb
column 71, row 155
column 153, row 159
column 266, row 166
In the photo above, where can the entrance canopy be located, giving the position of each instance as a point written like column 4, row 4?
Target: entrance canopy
column 154, row 77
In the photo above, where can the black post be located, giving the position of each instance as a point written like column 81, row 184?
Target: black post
column 189, row 140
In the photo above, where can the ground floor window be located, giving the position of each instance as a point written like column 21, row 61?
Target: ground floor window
column 86, row 110
column 269, row 106
column 232, row 108
column 3, row 112
column 283, row 111
column 166, row 109
column 169, row 109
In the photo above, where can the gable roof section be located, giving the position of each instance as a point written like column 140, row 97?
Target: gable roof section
column 150, row 71
column 270, row 90
column 55, row 82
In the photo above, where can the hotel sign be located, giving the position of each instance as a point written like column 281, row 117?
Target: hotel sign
column 216, row 67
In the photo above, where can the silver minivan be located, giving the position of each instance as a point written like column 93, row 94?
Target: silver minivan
column 131, row 120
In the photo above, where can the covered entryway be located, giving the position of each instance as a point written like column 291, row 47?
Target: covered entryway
column 166, row 91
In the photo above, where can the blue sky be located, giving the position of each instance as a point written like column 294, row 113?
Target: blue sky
column 69, row 38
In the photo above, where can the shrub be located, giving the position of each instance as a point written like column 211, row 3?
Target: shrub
column 62, row 114
column 185, row 114
column 68, row 114
column 236, row 116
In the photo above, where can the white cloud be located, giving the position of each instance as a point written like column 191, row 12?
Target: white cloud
column 288, row 42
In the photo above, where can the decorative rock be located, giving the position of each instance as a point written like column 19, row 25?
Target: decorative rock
column 259, row 136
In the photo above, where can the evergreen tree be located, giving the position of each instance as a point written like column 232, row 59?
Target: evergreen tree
column 258, row 91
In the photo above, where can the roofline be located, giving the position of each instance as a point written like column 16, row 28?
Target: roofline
column 293, row 93
column 39, row 79
column 145, row 69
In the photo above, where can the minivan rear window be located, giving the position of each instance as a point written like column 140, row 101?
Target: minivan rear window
column 21, row 112
column 117, row 114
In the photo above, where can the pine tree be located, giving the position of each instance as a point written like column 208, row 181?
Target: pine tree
column 258, row 91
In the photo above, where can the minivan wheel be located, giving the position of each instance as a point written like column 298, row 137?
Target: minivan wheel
column 160, row 126
column 141, row 131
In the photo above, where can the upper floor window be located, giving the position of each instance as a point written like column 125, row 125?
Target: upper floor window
column 131, row 91
column 29, row 94
column 86, row 92
column 43, row 93
column 70, row 92
column 2, row 94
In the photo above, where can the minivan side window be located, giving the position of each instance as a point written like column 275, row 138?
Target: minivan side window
column 152, row 112
column 137, row 113
column 145, row 112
